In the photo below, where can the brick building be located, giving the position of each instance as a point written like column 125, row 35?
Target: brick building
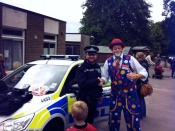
column 75, row 43
column 25, row 35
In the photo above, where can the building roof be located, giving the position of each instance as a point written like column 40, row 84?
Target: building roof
column 105, row 49
column 140, row 48
column 126, row 49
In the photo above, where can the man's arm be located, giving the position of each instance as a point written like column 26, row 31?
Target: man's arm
column 141, row 72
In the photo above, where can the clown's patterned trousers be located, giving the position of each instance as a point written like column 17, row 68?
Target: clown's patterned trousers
column 130, row 107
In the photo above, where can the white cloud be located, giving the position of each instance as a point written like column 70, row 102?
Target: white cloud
column 156, row 9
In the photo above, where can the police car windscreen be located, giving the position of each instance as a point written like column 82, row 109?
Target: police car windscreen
column 46, row 76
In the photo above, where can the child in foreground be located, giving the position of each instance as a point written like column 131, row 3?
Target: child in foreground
column 79, row 114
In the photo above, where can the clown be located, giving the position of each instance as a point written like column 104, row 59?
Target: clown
column 123, row 70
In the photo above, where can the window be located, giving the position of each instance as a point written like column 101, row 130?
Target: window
column 12, row 32
column 49, row 48
column 49, row 37
column 72, row 49
column 13, row 53
column 49, row 44
column 30, row 75
column 12, row 41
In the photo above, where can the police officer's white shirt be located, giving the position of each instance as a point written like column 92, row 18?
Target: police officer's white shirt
column 135, row 65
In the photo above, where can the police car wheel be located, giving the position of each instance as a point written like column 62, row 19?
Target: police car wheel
column 54, row 125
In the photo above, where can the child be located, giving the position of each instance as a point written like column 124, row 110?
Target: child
column 79, row 114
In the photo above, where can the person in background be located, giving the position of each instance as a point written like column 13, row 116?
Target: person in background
column 123, row 70
column 149, row 60
column 158, row 60
column 79, row 114
column 141, row 59
column 172, row 67
column 88, row 79
column 2, row 67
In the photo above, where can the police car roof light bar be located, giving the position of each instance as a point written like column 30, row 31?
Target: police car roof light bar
column 72, row 57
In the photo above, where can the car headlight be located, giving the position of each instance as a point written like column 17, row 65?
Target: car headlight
column 16, row 124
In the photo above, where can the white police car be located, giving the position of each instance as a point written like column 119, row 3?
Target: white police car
column 50, row 107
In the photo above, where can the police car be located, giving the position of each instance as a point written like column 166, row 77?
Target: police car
column 50, row 107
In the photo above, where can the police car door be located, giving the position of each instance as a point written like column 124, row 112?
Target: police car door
column 69, row 90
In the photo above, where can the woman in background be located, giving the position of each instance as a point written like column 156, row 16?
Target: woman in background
column 141, row 59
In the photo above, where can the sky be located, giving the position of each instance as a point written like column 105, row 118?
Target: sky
column 70, row 10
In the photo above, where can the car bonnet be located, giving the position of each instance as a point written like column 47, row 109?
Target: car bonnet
column 35, row 104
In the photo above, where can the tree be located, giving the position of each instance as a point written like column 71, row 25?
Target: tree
column 168, row 24
column 169, row 7
column 108, row 19
column 158, row 39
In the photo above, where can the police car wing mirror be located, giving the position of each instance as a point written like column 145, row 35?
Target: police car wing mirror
column 75, row 86
column 75, row 89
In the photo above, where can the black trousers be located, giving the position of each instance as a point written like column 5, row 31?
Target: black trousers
column 92, row 106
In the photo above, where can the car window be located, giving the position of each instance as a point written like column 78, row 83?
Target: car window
column 69, row 81
column 48, row 77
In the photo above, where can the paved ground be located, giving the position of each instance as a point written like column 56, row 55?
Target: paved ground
column 160, row 106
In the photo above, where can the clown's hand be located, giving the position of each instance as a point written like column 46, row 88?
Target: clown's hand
column 131, row 75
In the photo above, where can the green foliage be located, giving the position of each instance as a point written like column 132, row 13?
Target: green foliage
column 168, row 25
column 169, row 8
column 169, row 30
column 108, row 19
column 158, row 39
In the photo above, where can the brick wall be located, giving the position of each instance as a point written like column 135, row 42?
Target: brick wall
column 85, row 41
column 34, row 37
column 61, row 38
column 1, row 28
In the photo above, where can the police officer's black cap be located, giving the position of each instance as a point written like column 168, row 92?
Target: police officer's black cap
column 91, row 49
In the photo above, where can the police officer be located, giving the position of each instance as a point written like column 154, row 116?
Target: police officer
column 88, row 77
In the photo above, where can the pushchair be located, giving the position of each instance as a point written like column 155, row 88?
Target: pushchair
column 158, row 72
